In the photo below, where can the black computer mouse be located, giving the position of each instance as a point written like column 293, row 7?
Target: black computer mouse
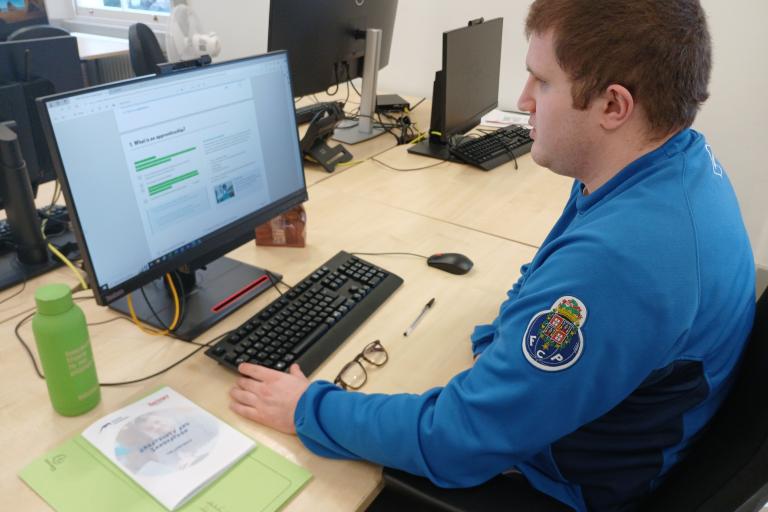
column 450, row 262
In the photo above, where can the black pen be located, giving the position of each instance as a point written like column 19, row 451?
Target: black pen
column 424, row 310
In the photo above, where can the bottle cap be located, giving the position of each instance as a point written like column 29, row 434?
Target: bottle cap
column 53, row 299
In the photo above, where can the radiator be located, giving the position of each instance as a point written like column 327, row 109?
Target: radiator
column 109, row 69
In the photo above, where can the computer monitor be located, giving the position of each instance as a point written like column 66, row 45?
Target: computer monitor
column 332, row 41
column 467, row 87
column 167, row 173
column 15, row 14
column 30, row 69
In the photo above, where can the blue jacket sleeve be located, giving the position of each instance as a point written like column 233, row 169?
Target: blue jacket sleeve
column 503, row 410
column 483, row 334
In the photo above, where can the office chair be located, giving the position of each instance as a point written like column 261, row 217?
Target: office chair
column 144, row 50
column 36, row 32
column 725, row 470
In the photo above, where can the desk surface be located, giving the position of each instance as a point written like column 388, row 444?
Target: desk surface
column 92, row 46
column 518, row 204
column 437, row 349
column 350, row 211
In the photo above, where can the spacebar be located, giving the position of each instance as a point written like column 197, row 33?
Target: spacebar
column 311, row 338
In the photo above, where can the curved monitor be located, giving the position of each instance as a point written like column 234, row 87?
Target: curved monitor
column 176, row 170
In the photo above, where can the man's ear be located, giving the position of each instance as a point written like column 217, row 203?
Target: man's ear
column 618, row 105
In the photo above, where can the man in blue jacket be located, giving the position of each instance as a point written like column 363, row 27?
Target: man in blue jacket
column 619, row 340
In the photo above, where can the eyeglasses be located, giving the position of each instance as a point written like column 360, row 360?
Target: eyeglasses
column 353, row 375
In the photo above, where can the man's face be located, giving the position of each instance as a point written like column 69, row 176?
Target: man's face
column 563, row 136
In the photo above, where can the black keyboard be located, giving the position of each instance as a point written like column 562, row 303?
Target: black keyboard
column 306, row 114
column 494, row 149
column 310, row 321
column 58, row 220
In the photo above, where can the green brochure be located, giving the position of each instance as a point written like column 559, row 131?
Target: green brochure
column 75, row 476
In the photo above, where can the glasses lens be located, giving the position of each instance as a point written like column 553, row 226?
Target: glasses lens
column 375, row 353
column 352, row 376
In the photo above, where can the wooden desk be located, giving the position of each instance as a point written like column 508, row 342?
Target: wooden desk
column 438, row 349
column 520, row 205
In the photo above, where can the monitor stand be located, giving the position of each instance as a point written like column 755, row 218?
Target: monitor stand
column 433, row 149
column 13, row 271
column 210, row 295
column 365, row 128
column 29, row 256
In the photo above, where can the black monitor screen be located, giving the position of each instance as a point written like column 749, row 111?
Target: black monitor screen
column 175, row 169
column 325, row 39
column 471, row 66
column 15, row 14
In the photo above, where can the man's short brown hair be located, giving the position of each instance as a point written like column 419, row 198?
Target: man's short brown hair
column 659, row 50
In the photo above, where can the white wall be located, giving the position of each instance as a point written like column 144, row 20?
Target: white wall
column 735, row 119
column 240, row 24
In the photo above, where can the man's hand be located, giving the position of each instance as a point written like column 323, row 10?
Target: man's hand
column 267, row 396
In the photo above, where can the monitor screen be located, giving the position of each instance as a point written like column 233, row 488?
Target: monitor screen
column 325, row 39
column 471, row 70
column 176, row 169
column 15, row 14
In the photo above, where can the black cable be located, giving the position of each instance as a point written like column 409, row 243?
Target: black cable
column 335, row 77
column 290, row 287
column 152, row 310
column 407, row 170
column 182, row 299
column 272, row 282
column 29, row 352
column 108, row 384
column 200, row 347
column 107, row 321
column 17, row 293
column 346, row 99
column 417, row 104
column 349, row 78
column 388, row 254
column 388, row 129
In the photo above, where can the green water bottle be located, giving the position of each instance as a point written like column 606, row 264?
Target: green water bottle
column 62, row 341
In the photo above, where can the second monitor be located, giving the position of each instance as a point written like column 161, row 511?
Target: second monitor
column 467, row 86
column 333, row 41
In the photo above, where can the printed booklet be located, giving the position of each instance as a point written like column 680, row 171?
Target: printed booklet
column 168, row 445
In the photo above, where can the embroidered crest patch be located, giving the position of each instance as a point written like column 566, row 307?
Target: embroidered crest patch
column 553, row 339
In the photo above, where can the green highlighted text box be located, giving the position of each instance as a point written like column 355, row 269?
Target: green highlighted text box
column 167, row 184
column 153, row 161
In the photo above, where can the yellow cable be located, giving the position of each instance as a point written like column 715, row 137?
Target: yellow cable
column 69, row 264
column 149, row 330
column 56, row 252
column 420, row 137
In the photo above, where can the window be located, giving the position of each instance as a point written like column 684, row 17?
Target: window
column 133, row 10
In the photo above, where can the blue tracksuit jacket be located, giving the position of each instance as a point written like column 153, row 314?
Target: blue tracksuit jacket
column 610, row 353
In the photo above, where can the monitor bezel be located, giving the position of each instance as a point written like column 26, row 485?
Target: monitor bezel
column 213, row 245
